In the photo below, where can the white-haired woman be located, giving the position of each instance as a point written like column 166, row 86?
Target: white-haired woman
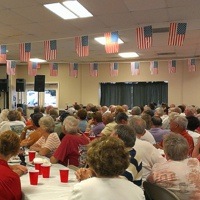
column 49, row 140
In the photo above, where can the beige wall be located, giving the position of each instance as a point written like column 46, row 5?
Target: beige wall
column 182, row 86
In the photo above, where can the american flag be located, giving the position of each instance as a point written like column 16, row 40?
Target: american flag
column 111, row 45
column 94, row 69
column 73, row 69
column 32, row 68
column 2, row 53
column 82, row 46
column 50, row 49
column 10, row 66
column 172, row 66
column 177, row 34
column 114, row 69
column 191, row 65
column 53, row 69
column 25, row 51
column 135, row 68
column 154, row 67
column 144, row 37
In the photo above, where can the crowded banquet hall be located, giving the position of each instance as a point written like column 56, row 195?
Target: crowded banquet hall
column 99, row 97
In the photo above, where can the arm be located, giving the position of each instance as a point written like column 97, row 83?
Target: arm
column 53, row 160
column 195, row 153
column 84, row 173
column 19, row 169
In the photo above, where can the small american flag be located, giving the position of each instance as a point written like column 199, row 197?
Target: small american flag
column 114, row 69
column 25, row 51
column 172, row 66
column 191, row 65
column 10, row 66
column 53, row 69
column 94, row 69
column 154, row 67
column 82, row 46
column 135, row 68
column 2, row 53
column 111, row 45
column 73, row 69
column 50, row 49
column 144, row 37
column 177, row 34
column 32, row 68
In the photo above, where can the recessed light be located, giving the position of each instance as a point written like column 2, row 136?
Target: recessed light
column 128, row 55
column 77, row 9
column 37, row 60
column 102, row 40
column 60, row 10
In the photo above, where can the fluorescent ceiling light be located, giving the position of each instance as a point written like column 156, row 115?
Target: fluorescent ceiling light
column 60, row 10
column 102, row 40
column 77, row 8
column 37, row 60
column 128, row 55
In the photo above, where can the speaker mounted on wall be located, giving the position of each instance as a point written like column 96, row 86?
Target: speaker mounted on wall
column 39, row 84
column 3, row 85
column 20, row 85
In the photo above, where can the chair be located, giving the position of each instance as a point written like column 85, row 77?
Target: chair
column 155, row 192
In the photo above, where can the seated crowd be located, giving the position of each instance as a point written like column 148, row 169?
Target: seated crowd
column 159, row 144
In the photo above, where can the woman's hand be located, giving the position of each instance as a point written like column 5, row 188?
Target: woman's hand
column 84, row 173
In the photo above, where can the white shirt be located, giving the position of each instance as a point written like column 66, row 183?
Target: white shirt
column 148, row 137
column 106, row 189
column 149, row 154
column 194, row 136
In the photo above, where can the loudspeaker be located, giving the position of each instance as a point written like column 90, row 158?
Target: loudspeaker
column 39, row 85
column 20, row 85
column 3, row 85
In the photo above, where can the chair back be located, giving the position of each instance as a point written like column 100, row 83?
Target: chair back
column 155, row 192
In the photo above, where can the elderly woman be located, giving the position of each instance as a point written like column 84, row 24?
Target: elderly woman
column 178, row 169
column 68, row 153
column 10, row 185
column 49, row 140
column 108, row 159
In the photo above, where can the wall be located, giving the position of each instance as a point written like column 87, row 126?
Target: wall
column 85, row 89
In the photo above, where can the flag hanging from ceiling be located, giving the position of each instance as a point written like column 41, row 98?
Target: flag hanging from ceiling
column 25, row 52
column 53, row 69
column 82, row 46
column 10, row 66
column 114, row 69
column 32, row 68
column 50, row 49
column 111, row 42
column 172, row 66
column 135, row 68
column 154, row 67
column 94, row 69
column 73, row 69
column 191, row 65
column 2, row 53
column 144, row 37
column 177, row 34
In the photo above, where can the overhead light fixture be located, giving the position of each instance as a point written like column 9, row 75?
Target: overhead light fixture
column 102, row 40
column 60, row 10
column 77, row 8
column 37, row 60
column 128, row 55
column 69, row 9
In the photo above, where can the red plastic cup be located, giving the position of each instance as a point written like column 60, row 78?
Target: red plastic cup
column 64, row 175
column 33, row 175
column 31, row 155
column 45, row 169
column 38, row 167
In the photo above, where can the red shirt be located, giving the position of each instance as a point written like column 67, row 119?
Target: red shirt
column 10, row 186
column 186, row 135
column 68, row 151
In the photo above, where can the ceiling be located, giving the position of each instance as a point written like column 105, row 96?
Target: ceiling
column 29, row 21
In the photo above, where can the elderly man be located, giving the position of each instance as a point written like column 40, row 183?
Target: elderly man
column 179, row 125
column 149, row 154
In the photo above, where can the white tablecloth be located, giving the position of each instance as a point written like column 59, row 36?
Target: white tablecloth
column 48, row 188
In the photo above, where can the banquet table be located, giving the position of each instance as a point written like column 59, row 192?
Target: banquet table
column 48, row 188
